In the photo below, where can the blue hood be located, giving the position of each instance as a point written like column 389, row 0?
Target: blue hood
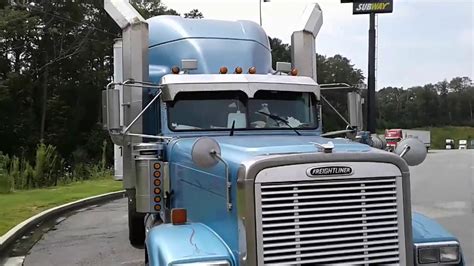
column 240, row 148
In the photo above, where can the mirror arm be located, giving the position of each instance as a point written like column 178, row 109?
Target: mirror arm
column 405, row 150
column 335, row 110
column 228, row 182
column 147, row 136
column 141, row 113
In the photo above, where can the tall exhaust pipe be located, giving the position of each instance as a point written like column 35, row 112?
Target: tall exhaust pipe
column 303, row 41
column 135, row 66
column 118, row 78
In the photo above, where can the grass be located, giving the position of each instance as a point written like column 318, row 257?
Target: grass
column 440, row 134
column 20, row 205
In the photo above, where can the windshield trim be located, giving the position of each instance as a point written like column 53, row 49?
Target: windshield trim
column 303, row 129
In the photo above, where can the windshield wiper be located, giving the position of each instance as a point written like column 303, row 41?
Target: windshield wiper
column 232, row 129
column 279, row 119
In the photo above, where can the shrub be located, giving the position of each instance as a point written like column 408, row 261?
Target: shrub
column 6, row 181
column 50, row 169
column 48, row 166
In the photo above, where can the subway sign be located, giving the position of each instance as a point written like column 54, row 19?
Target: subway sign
column 372, row 6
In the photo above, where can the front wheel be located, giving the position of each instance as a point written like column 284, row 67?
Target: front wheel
column 136, row 223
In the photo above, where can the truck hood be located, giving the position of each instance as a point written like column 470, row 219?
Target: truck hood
column 241, row 148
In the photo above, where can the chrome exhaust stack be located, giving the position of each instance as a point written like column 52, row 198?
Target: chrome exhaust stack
column 303, row 41
column 134, row 67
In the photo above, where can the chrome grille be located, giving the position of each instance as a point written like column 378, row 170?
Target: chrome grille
column 328, row 221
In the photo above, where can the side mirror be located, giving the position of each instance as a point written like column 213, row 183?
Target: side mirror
column 204, row 152
column 111, row 109
column 412, row 151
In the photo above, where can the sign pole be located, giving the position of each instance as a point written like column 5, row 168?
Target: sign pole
column 371, row 118
column 371, row 7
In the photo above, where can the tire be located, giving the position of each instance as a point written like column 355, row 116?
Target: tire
column 146, row 257
column 136, row 224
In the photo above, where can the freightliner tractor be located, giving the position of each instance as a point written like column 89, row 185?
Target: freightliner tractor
column 225, row 163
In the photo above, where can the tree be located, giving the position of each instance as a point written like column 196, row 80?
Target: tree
column 152, row 8
column 195, row 13
column 280, row 51
column 336, row 69
column 55, row 58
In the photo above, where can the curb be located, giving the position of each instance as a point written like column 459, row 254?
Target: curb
column 20, row 229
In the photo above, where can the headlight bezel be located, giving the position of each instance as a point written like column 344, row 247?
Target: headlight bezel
column 437, row 246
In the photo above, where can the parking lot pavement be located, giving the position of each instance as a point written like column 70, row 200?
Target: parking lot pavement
column 96, row 236
column 442, row 188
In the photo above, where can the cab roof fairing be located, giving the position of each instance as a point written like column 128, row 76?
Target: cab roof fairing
column 165, row 29
column 250, row 84
column 213, row 43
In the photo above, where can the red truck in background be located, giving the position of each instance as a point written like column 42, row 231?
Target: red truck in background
column 393, row 136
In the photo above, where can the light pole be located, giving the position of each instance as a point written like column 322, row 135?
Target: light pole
column 260, row 9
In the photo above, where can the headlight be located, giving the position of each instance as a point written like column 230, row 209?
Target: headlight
column 449, row 254
column 438, row 252
column 205, row 263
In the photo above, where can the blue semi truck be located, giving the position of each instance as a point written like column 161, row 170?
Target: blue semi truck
column 224, row 162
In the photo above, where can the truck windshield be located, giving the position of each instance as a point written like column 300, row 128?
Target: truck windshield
column 223, row 109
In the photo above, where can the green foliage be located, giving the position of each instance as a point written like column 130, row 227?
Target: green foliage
column 48, row 166
column 280, row 51
column 49, row 169
column 20, row 205
column 151, row 8
column 435, row 105
column 195, row 13
column 55, row 58
column 5, row 179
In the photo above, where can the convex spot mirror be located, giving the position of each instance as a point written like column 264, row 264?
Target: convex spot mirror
column 204, row 152
column 416, row 153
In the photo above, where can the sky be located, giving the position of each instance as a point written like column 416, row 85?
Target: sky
column 422, row 41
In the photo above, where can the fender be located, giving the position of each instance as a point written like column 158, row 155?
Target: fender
column 169, row 244
column 427, row 230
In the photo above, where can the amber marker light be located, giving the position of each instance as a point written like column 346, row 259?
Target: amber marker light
column 157, row 182
column 175, row 70
column 223, row 70
column 157, row 174
column 157, row 190
column 252, row 70
column 294, row 72
column 157, row 199
column 157, row 166
column 157, row 207
column 238, row 70
column 179, row 216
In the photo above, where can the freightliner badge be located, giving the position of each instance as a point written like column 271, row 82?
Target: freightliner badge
column 329, row 171
column 372, row 6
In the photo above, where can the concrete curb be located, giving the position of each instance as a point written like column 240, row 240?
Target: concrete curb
column 20, row 229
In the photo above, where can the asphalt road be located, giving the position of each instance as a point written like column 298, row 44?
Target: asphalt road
column 95, row 236
column 442, row 188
